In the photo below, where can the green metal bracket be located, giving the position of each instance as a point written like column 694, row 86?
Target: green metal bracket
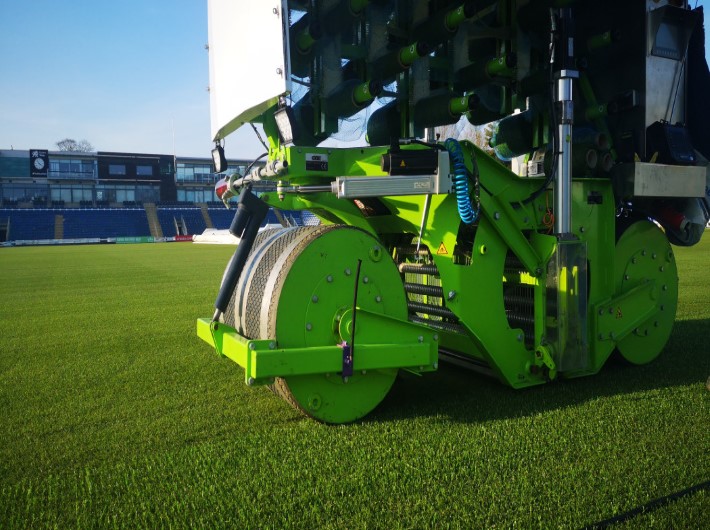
column 544, row 362
column 502, row 218
column 617, row 318
column 413, row 347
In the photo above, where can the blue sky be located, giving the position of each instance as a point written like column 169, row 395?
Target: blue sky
column 121, row 74
column 124, row 75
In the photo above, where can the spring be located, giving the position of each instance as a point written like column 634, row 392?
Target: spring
column 521, row 320
column 419, row 269
column 431, row 290
column 518, row 300
column 466, row 211
column 412, row 250
column 428, row 309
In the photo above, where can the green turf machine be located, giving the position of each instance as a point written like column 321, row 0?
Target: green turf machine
column 532, row 254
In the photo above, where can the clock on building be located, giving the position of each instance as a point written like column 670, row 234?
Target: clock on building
column 39, row 162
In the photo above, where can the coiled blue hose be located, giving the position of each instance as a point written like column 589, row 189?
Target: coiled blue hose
column 466, row 210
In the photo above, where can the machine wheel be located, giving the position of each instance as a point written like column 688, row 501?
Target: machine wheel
column 643, row 253
column 295, row 286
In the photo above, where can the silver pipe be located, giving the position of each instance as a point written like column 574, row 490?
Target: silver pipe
column 425, row 215
column 563, row 182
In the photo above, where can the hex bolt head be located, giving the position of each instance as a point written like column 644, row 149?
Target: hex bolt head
column 611, row 310
column 314, row 299
column 633, row 260
column 661, row 268
column 272, row 345
column 420, row 338
column 251, row 381
column 378, row 299
column 436, row 337
column 581, row 229
column 436, row 366
column 451, row 295
column 252, row 346
column 364, row 372
column 601, row 311
column 626, row 276
column 329, row 279
column 654, row 255
column 366, row 280
column 346, row 379
column 520, row 337
column 496, row 216
column 348, row 272
column 665, row 287
column 309, row 326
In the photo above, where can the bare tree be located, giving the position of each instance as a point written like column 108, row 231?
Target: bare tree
column 478, row 135
column 71, row 145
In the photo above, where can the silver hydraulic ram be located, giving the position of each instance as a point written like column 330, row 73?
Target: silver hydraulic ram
column 562, row 58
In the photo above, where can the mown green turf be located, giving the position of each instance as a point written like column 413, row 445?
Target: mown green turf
column 115, row 414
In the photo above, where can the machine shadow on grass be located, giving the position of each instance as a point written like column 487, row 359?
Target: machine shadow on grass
column 465, row 396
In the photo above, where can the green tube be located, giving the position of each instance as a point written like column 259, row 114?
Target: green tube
column 442, row 109
column 596, row 112
column 366, row 92
column 390, row 64
column 304, row 34
column 502, row 66
column 349, row 97
column 603, row 39
column 411, row 53
column 489, row 108
column 443, row 24
column 458, row 106
column 342, row 15
column 455, row 17
column 481, row 72
column 308, row 37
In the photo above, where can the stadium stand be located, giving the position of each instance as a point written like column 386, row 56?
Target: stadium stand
column 104, row 223
column 29, row 223
column 181, row 221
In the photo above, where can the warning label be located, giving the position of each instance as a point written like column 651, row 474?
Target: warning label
column 442, row 249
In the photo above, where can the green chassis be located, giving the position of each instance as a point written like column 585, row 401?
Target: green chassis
column 629, row 277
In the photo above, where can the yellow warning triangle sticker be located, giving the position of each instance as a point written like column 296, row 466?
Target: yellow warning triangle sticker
column 442, row 249
column 402, row 164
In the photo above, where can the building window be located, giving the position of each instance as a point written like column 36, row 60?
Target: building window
column 117, row 169
column 144, row 171
column 71, row 169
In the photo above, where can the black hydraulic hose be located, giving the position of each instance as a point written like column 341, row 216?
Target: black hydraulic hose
column 251, row 212
column 348, row 363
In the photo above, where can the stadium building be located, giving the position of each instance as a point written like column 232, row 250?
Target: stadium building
column 72, row 196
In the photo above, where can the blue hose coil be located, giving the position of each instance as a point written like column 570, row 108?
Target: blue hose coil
column 466, row 211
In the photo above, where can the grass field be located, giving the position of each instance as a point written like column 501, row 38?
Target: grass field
column 114, row 414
